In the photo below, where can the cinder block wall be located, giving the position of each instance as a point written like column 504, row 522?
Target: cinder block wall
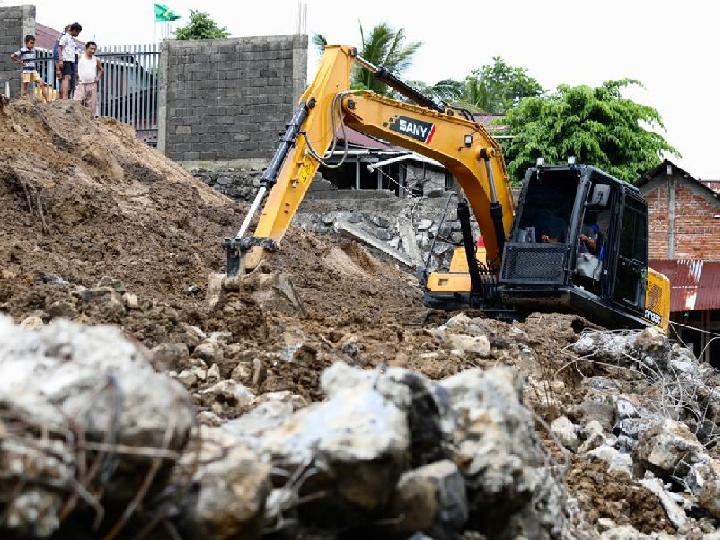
column 222, row 102
column 691, row 209
column 15, row 23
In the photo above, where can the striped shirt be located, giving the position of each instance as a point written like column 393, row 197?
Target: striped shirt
column 28, row 58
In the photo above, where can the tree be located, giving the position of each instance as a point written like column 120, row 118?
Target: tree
column 319, row 42
column 498, row 86
column 201, row 26
column 384, row 46
column 596, row 125
column 447, row 90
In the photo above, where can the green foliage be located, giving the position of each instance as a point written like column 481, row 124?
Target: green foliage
column 201, row 26
column 319, row 42
column 384, row 46
column 596, row 125
column 387, row 47
column 498, row 86
column 447, row 90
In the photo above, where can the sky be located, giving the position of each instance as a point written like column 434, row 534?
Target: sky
column 672, row 47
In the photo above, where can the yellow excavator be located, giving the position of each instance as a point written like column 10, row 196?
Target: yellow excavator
column 577, row 241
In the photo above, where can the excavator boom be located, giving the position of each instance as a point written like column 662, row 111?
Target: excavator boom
column 328, row 104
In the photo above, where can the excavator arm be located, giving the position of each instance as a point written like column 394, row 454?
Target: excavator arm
column 430, row 129
column 464, row 147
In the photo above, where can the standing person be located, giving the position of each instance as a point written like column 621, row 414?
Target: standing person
column 25, row 56
column 66, row 61
column 56, row 59
column 90, row 72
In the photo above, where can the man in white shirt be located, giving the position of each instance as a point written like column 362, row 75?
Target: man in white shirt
column 66, row 58
column 89, row 70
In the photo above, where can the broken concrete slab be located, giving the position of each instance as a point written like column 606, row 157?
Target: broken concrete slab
column 232, row 488
column 356, row 232
column 668, row 448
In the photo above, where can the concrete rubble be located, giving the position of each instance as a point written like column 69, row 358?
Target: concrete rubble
column 318, row 398
column 388, row 452
column 418, row 232
column 362, row 458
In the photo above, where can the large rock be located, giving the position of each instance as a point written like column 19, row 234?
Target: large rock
column 497, row 449
column 232, row 485
column 67, row 385
column 430, row 419
column 359, row 440
column 668, row 449
column 431, row 499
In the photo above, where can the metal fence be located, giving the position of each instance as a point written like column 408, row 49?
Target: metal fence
column 128, row 90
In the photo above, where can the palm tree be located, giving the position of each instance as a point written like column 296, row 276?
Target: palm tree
column 384, row 46
column 319, row 41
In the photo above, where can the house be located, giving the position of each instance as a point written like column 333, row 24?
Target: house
column 684, row 234
column 372, row 163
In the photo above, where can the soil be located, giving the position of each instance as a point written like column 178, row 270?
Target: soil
column 89, row 212
column 614, row 495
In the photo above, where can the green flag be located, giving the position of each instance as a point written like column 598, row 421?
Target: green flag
column 163, row 14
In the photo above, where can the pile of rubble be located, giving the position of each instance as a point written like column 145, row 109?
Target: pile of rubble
column 317, row 398
column 96, row 442
column 89, row 430
column 237, row 183
column 418, row 232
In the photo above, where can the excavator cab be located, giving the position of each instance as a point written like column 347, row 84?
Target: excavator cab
column 579, row 242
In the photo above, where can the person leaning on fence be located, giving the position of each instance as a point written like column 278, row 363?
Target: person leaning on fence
column 25, row 56
column 90, row 72
column 65, row 66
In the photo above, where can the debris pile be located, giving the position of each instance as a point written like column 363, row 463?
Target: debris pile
column 89, row 429
column 317, row 397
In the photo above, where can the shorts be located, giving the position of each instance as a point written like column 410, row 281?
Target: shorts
column 68, row 69
column 31, row 76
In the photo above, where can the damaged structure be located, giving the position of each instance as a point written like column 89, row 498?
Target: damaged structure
column 684, row 222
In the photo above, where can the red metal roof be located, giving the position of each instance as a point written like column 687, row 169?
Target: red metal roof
column 488, row 121
column 695, row 284
column 360, row 139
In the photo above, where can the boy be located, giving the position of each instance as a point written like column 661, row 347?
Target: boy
column 66, row 63
column 89, row 70
column 56, row 60
column 26, row 58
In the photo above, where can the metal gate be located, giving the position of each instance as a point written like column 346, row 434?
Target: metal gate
column 128, row 90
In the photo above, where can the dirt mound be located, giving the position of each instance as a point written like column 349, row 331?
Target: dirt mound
column 82, row 198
